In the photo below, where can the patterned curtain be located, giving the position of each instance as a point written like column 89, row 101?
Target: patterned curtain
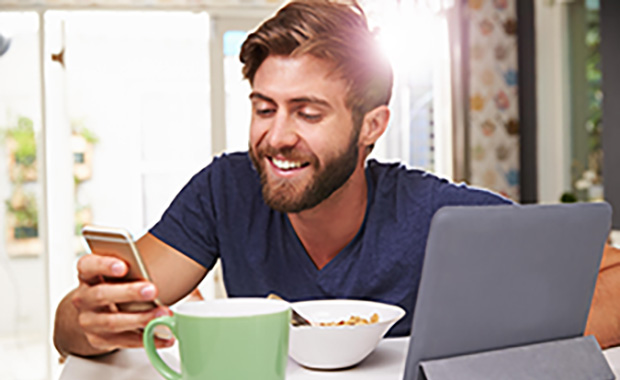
column 493, row 120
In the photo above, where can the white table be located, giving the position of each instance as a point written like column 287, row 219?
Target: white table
column 387, row 362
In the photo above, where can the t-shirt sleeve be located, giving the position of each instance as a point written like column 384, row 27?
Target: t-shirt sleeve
column 189, row 223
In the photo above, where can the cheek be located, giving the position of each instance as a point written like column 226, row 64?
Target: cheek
column 323, row 145
column 331, row 139
column 257, row 132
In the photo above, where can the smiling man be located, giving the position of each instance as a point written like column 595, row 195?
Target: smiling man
column 302, row 140
column 308, row 152
column 304, row 213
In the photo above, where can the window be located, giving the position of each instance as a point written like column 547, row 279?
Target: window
column 586, row 101
column 23, row 322
column 415, row 39
column 127, row 123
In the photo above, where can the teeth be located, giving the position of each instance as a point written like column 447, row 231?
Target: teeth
column 286, row 165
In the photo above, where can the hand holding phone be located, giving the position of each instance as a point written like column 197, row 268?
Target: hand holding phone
column 114, row 278
column 118, row 243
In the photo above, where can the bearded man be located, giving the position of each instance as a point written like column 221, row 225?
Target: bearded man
column 304, row 213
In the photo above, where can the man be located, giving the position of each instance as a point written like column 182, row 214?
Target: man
column 303, row 213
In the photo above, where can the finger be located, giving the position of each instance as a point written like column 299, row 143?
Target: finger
column 163, row 343
column 97, row 296
column 93, row 267
column 129, row 339
column 115, row 323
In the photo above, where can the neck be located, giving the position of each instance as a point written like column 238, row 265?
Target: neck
column 328, row 227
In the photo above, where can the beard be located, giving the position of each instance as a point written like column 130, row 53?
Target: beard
column 291, row 196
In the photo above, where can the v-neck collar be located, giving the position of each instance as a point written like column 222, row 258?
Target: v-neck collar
column 308, row 263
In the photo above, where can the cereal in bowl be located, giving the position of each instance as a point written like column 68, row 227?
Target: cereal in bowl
column 353, row 321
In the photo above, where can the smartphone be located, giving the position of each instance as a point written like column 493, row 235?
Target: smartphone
column 117, row 242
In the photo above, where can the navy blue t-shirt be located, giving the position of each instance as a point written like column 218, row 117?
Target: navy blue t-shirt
column 220, row 213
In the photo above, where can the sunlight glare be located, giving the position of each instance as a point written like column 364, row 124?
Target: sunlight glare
column 408, row 36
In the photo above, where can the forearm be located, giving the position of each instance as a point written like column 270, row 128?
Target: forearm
column 69, row 338
column 604, row 318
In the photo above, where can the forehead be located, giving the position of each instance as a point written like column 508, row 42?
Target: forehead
column 283, row 78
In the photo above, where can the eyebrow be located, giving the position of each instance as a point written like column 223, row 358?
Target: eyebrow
column 303, row 99
column 257, row 95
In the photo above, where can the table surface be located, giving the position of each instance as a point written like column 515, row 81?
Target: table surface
column 387, row 362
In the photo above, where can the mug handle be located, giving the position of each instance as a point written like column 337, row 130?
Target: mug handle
column 151, row 352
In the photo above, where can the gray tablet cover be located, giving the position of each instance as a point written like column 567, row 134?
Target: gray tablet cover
column 504, row 276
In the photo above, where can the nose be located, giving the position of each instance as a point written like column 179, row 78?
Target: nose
column 282, row 132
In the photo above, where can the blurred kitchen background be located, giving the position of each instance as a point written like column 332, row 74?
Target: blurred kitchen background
column 108, row 107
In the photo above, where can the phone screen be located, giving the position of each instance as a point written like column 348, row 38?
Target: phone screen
column 118, row 243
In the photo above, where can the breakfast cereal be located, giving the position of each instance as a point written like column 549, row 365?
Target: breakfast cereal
column 354, row 320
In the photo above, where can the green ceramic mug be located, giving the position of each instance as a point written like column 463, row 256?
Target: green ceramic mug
column 235, row 338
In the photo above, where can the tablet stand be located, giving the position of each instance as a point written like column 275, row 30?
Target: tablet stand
column 567, row 359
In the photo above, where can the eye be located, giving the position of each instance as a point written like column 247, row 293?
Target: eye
column 265, row 112
column 310, row 117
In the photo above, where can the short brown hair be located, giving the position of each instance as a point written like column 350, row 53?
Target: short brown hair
column 336, row 31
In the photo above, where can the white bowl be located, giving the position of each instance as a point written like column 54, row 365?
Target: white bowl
column 332, row 347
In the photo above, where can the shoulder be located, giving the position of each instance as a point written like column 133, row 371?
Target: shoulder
column 423, row 187
column 397, row 175
column 451, row 194
column 227, row 178
column 239, row 161
column 391, row 173
column 232, row 175
column 229, row 168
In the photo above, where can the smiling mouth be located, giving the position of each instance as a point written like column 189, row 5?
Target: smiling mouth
column 287, row 165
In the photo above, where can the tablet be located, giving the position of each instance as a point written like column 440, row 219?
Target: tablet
column 502, row 276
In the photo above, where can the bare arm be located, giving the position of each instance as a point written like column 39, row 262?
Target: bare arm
column 86, row 322
column 604, row 318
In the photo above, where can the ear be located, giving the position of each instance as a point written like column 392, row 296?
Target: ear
column 374, row 124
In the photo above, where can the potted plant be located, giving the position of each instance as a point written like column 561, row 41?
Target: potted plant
column 82, row 143
column 23, row 215
column 22, row 149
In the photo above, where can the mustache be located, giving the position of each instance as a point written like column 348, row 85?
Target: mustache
column 288, row 153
